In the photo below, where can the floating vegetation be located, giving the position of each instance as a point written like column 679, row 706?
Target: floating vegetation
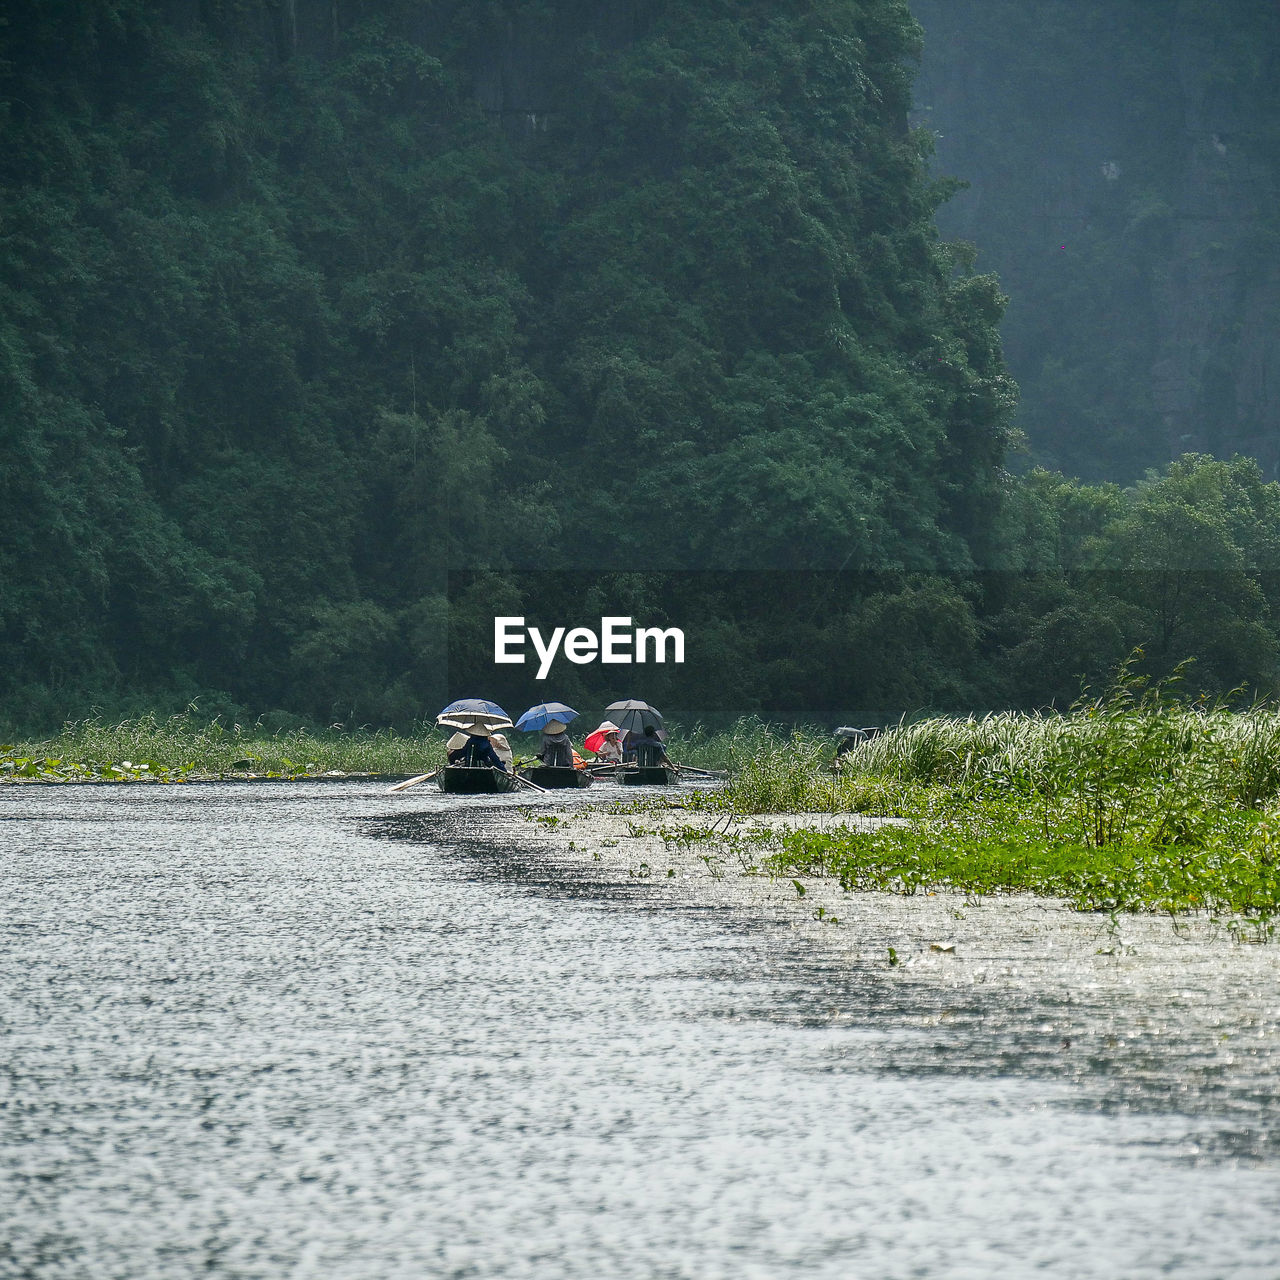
column 20, row 768
column 1234, row 876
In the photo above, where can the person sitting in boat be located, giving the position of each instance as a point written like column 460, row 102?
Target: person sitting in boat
column 649, row 751
column 479, row 752
column 456, row 748
column 556, row 751
column 502, row 749
column 608, row 743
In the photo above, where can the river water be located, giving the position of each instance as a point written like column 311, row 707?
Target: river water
column 311, row 1030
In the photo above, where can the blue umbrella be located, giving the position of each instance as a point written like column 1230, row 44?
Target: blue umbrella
column 474, row 709
column 543, row 714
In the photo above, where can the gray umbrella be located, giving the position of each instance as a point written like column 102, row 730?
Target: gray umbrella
column 631, row 716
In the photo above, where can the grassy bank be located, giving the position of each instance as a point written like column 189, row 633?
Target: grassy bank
column 1134, row 801
column 182, row 747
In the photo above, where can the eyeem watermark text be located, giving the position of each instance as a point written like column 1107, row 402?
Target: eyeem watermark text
column 616, row 642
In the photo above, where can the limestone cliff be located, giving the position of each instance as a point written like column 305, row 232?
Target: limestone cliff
column 1124, row 166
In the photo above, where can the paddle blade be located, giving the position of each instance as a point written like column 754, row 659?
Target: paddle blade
column 413, row 782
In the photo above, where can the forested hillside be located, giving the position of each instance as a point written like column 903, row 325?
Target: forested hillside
column 1123, row 161
column 330, row 330
column 305, row 305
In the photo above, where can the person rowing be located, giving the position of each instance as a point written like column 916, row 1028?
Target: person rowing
column 556, row 751
column 649, row 751
column 478, row 752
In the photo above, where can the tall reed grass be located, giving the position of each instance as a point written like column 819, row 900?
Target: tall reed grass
column 1134, row 757
column 735, row 748
column 1237, row 753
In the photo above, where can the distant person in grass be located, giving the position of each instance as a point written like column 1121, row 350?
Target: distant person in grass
column 847, row 738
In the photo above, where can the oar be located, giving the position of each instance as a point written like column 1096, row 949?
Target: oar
column 524, row 782
column 705, row 773
column 413, row 782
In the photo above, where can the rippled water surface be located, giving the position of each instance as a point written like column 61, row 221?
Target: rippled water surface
column 275, row 1030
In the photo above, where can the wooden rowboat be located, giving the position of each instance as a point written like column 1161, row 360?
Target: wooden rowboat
column 554, row 777
column 460, row 780
column 657, row 776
